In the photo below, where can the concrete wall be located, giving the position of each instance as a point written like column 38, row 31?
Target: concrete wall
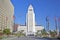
column 22, row 28
column 38, row 28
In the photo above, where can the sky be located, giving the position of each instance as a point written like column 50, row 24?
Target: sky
column 42, row 8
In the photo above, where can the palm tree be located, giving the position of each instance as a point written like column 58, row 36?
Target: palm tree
column 21, row 33
column 53, row 33
column 44, row 33
column 38, row 33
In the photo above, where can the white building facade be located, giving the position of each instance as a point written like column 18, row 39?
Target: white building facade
column 30, row 27
column 6, row 14
column 30, row 20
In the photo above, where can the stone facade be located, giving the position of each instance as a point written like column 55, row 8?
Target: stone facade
column 6, row 14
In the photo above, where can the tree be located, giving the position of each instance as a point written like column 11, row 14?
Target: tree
column 38, row 33
column 44, row 33
column 1, row 33
column 53, row 33
column 6, row 31
column 20, row 33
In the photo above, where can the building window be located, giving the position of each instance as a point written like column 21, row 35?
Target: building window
column 30, row 9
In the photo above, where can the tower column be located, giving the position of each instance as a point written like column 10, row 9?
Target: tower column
column 30, row 19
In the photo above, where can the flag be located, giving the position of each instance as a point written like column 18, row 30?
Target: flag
column 25, row 23
column 55, row 18
column 13, row 17
column 58, row 19
column 56, row 25
column 47, row 26
column 47, row 18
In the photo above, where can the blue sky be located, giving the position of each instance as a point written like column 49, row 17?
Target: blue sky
column 42, row 8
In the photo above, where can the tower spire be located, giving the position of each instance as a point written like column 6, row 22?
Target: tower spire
column 30, row 8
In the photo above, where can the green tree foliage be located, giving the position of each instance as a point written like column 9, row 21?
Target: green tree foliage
column 44, row 33
column 6, row 31
column 20, row 33
column 38, row 33
column 1, row 33
column 53, row 33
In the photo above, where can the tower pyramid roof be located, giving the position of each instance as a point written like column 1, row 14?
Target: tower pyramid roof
column 30, row 6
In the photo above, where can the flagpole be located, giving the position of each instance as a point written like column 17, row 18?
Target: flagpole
column 13, row 23
column 47, row 21
column 59, row 26
column 56, row 27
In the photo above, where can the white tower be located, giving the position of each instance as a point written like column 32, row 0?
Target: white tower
column 30, row 19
